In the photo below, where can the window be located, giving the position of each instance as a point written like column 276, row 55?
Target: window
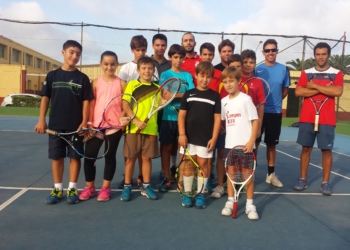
column 16, row 55
column 38, row 63
column 29, row 84
column 29, row 60
column 47, row 66
column 2, row 51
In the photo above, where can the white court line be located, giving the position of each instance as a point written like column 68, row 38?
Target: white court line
column 13, row 198
column 291, row 156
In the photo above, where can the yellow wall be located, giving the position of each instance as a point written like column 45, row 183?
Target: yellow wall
column 11, row 79
column 94, row 71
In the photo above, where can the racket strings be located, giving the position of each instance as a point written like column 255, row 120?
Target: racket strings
column 167, row 93
column 240, row 165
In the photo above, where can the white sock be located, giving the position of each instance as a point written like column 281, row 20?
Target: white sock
column 188, row 180
column 230, row 199
column 173, row 160
column 200, row 186
column 72, row 185
column 145, row 185
column 59, row 186
column 249, row 202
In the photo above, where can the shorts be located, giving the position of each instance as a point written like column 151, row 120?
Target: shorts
column 135, row 144
column 307, row 135
column 168, row 132
column 271, row 126
column 220, row 143
column 197, row 150
column 59, row 148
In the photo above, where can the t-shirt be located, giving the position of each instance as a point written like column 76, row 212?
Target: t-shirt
column 255, row 89
column 67, row 91
column 163, row 66
column 201, row 107
column 278, row 78
column 220, row 67
column 169, row 114
column 238, row 114
column 327, row 113
column 143, row 93
column 189, row 64
column 128, row 72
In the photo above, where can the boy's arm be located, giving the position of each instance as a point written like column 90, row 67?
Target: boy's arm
column 216, row 130
column 260, row 111
column 41, row 126
column 182, row 128
column 249, row 146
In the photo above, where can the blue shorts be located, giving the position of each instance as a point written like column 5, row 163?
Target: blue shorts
column 59, row 148
column 168, row 132
column 307, row 136
column 220, row 143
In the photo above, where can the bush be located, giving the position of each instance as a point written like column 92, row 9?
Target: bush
column 25, row 101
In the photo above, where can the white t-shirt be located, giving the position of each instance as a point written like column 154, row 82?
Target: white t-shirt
column 128, row 72
column 238, row 114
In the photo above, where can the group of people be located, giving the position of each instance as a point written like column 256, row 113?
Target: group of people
column 213, row 114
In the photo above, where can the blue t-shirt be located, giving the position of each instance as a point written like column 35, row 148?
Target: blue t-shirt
column 169, row 113
column 278, row 78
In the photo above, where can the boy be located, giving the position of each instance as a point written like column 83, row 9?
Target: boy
column 69, row 112
column 143, row 144
column 169, row 129
column 128, row 72
column 199, row 125
column 246, row 119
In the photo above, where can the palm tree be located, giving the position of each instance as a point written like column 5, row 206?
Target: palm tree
column 336, row 62
column 297, row 64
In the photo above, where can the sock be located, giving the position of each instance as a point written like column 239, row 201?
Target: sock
column 145, row 185
column 59, row 186
column 127, row 185
column 173, row 160
column 270, row 169
column 188, row 180
column 249, row 202
column 72, row 185
column 230, row 199
column 200, row 187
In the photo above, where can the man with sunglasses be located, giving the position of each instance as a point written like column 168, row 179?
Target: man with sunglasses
column 277, row 75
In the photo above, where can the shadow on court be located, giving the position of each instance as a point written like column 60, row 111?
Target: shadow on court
column 288, row 219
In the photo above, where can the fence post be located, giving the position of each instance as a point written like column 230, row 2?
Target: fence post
column 341, row 68
column 241, row 42
column 81, row 42
column 302, row 68
column 222, row 36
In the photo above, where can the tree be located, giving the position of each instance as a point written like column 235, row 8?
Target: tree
column 297, row 64
column 336, row 62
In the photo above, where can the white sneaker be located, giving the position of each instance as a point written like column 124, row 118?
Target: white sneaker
column 217, row 192
column 227, row 210
column 251, row 212
column 272, row 179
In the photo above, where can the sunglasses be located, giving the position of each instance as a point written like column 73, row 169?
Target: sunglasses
column 270, row 50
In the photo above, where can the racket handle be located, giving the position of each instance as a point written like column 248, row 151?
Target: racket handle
column 139, row 130
column 235, row 208
column 317, row 117
column 51, row 132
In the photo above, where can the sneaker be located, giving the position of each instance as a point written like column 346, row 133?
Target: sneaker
column 227, row 210
column 126, row 194
column 200, row 201
column 165, row 185
column 149, row 193
column 209, row 187
column 217, row 192
column 161, row 175
column 326, row 189
column 87, row 193
column 301, row 185
column 272, row 179
column 55, row 196
column 104, row 194
column 72, row 196
column 186, row 201
column 251, row 212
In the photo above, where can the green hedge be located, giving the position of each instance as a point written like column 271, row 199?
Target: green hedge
column 25, row 101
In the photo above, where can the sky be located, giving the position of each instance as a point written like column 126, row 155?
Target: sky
column 317, row 18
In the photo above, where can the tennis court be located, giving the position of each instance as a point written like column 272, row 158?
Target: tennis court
column 288, row 219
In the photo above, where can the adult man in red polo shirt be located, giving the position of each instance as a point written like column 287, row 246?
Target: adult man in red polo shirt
column 192, row 58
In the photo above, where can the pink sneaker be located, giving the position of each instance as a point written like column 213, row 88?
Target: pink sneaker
column 87, row 193
column 104, row 194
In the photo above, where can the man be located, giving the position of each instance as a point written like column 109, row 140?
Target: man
column 226, row 48
column 192, row 59
column 159, row 45
column 318, row 83
column 277, row 75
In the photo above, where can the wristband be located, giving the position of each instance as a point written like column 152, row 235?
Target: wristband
column 88, row 123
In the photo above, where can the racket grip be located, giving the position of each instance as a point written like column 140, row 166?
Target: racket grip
column 235, row 208
column 139, row 130
column 51, row 132
column 317, row 117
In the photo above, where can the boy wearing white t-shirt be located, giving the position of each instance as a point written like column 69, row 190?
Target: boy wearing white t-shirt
column 240, row 130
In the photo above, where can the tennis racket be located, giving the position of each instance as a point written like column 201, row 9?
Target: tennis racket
column 259, row 83
column 320, row 99
column 163, row 96
column 188, row 175
column 175, row 104
column 239, row 168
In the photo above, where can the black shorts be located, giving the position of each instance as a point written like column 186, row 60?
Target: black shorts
column 59, row 148
column 271, row 126
column 168, row 132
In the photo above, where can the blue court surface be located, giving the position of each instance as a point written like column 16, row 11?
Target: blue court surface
column 288, row 219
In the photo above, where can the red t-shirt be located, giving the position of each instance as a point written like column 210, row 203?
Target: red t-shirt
column 327, row 113
column 255, row 89
column 190, row 64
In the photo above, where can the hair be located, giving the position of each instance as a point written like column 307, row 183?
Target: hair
column 208, row 46
column 138, row 42
column 72, row 43
column 176, row 49
column 145, row 60
column 206, row 68
column 109, row 53
column 231, row 72
column 248, row 53
column 224, row 43
column 270, row 41
column 188, row 33
column 234, row 58
column 322, row 45
column 160, row 37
